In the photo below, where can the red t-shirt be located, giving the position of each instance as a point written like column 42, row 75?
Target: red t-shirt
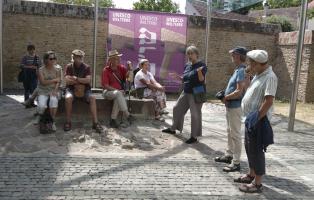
column 81, row 72
column 109, row 79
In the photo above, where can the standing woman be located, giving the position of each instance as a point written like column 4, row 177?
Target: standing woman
column 49, row 81
column 29, row 65
column 193, row 77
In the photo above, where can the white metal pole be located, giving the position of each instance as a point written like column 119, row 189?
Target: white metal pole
column 297, row 69
column 1, row 61
column 208, row 21
column 95, row 43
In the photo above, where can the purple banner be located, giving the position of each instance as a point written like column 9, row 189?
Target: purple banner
column 158, row 37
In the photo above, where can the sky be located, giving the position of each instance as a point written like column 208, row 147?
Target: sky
column 128, row 4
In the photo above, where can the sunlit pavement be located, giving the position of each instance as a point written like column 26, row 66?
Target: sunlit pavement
column 139, row 162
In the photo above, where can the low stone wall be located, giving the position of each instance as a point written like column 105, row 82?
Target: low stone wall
column 140, row 108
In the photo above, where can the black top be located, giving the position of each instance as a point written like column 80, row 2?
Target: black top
column 190, row 77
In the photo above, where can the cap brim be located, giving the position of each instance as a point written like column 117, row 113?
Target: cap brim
column 77, row 55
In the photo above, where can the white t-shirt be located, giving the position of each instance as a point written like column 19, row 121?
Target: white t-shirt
column 264, row 84
column 141, row 75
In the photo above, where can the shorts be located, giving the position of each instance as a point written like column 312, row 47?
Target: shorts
column 86, row 97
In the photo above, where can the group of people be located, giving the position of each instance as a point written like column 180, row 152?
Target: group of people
column 250, row 93
column 74, row 83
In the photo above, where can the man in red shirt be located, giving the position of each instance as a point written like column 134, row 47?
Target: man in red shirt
column 113, row 81
column 78, row 75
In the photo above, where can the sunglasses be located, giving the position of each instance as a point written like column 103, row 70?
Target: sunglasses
column 52, row 58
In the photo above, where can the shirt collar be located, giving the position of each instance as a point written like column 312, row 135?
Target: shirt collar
column 269, row 68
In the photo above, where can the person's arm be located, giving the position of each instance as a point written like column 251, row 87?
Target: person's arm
column 56, row 89
column 201, row 73
column 266, row 105
column 70, row 80
column 237, row 93
column 108, row 87
column 149, row 84
column 198, row 73
column 176, row 76
column 68, row 77
column 23, row 62
column 87, row 77
column 240, row 79
column 158, row 85
column 43, row 81
column 85, row 80
column 270, row 92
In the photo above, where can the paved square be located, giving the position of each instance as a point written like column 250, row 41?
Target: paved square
column 140, row 162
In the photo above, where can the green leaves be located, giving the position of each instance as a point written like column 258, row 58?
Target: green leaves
column 310, row 13
column 156, row 5
column 102, row 3
column 286, row 25
column 284, row 3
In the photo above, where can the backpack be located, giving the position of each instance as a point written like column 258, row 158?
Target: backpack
column 45, row 122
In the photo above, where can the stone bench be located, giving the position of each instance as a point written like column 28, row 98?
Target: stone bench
column 140, row 108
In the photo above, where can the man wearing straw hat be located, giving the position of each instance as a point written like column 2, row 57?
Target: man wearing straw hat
column 113, row 80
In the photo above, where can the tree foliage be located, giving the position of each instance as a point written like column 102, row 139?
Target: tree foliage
column 156, row 5
column 284, row 3
column 102, row 3
column 310, row 13
column 285, row 23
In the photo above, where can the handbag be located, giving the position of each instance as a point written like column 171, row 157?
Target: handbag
column 79, row 90
column 199, row 93
column 21, row 76
column 46, row 121
column 140, row 92
column 220, row 95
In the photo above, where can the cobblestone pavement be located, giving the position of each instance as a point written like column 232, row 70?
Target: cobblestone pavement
column 140, row 162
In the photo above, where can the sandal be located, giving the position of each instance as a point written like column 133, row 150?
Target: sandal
column 247, row 178
column 97, row 127
column 251, row 188
column 67, row 126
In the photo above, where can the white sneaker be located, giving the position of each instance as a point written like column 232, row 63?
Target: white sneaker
column 53, row 127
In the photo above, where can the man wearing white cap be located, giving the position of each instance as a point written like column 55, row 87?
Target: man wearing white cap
column 257, row 106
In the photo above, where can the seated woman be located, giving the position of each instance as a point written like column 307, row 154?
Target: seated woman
column 147, row 87
column 49, row 80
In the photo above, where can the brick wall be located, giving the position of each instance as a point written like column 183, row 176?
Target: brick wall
column 224, row 35
column 50, row 27
column 285, row 65
column 63, row 28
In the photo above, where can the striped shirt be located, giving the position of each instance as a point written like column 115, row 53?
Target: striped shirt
column 264, row 84
column 28, row 60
